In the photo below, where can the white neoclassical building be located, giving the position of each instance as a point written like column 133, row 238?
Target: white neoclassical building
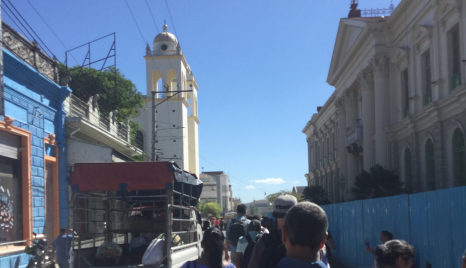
column 399, row 100
column 176, row 113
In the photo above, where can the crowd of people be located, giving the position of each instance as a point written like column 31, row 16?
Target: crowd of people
column 297, row 237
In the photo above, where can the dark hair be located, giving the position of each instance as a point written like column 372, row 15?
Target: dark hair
column 213, row 243
column 62, row 231
column 256, row 217
column 306, row 225
column 249, row 218
column 205, row 225
column 388, row 235
column 241, row 209
column 388, row 253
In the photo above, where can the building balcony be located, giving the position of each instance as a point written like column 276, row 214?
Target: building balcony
column 455, row 81
column 427, row 97
column 354, row 140
column 164, row 53
column 85, row 117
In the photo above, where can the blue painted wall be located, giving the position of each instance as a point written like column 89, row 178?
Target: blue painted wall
column 433, row 222
column 36, row 104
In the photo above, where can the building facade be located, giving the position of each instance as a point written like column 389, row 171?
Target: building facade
column 33, row 192
column 176, row 113
column 216, row 189
column 399, row 100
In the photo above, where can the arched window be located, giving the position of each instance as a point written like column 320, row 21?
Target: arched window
column 459, row 158
column 140, row 140
column 408, row 171
column 430, row 165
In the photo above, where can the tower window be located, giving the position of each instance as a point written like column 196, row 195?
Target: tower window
column 454, row 60
column 405, row 93
column 164, row 47
column 140, row 140
column 427, row 78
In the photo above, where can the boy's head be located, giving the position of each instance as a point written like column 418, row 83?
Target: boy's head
column 241, row 210
column 254, row 225
column 306, row 226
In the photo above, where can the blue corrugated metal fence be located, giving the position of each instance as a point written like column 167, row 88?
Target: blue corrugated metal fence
column 433, row 222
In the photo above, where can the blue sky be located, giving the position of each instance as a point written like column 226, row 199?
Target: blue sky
column 261, row 67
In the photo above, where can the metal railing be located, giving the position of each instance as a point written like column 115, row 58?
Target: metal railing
column 82, row 109
column 163, row 53
column 376, row 12
column 79, row 107
column 354, row 134
column 122, row 131
column 104, row 122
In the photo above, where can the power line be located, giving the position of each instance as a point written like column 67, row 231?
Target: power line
column 135, row 22
column 27, row 25
column 48, row 26
column 174, row 28
column 19, row 28
column 30, row 36
column 151, row 16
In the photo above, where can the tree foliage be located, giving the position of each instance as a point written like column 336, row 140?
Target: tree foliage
column 380, row 182
column 316, row 194
column 272, row 197
column 87, row 82
column 210, row 208
column 122, row 96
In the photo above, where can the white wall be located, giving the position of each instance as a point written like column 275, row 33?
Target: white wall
column 81, row 152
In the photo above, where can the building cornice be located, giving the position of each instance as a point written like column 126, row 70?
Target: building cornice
column 194, row 118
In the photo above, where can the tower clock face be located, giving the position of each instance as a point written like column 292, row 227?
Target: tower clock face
column 164, row 47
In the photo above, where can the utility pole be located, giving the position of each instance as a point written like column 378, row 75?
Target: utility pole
column 154, row 129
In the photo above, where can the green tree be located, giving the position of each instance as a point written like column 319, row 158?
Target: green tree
column 210, row 208
column 316, row 194
column 380, row 182
column 122, row 95
column 115, row 92
column 272, row 197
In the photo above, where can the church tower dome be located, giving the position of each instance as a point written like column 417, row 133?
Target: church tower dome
column 165, row 41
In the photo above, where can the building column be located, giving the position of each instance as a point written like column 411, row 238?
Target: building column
column 368, row 109
column 351, row 116
column 382, row 102
column 342, row 153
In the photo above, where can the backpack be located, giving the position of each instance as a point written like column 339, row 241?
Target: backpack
column 237, row 230
column 274, row 250
column 249, row 249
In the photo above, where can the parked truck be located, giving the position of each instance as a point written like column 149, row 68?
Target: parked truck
column 118, row 206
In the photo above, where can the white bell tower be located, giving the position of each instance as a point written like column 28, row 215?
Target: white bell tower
column 176, row 116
